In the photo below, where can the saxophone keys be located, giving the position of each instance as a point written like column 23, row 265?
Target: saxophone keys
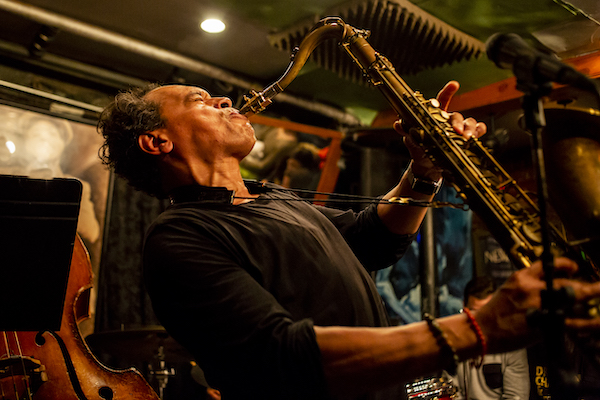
column 436, row 112
column 441, row 115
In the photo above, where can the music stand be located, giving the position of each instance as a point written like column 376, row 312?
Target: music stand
column 38, row 223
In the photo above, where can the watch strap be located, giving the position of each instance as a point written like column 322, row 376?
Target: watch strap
column 422, row 185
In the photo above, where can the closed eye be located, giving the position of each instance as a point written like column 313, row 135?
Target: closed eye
column 198, row 96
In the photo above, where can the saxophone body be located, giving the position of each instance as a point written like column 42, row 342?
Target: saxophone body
column 508, row 212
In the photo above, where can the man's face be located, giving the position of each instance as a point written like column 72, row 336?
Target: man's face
column 203, row 126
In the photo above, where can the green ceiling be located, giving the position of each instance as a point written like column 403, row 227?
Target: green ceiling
column 482, row 18
column 478, row 18
column 246, row 50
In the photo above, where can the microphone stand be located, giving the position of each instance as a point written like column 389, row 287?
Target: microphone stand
column 550, row 318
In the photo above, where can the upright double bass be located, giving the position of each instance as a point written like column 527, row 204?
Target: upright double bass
column 50, row 365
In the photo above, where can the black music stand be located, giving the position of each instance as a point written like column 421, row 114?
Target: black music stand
column 38, row 223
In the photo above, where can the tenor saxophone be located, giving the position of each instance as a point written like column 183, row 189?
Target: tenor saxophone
column 509, row 213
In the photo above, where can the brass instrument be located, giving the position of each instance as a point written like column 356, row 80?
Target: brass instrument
column 510, row 214
column 571, row 147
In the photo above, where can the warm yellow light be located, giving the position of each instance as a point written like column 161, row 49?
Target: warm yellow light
column 212, row 25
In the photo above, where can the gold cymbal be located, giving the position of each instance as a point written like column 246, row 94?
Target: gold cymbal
column 572, row 159
column 572, row 121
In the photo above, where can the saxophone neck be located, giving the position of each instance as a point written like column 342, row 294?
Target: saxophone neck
column 327, row 28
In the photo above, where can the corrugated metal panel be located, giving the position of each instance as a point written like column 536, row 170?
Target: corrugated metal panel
column 409, row 37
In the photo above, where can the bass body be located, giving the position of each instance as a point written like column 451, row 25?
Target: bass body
column 49, row 365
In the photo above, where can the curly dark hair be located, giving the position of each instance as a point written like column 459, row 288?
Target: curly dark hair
column 121, row 123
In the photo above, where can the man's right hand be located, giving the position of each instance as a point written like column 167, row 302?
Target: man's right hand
column 504, row 320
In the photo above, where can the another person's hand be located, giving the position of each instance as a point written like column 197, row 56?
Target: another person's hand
column 468, row 127
column 504, row 319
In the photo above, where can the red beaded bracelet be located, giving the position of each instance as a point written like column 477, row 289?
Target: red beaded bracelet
column 479, row 334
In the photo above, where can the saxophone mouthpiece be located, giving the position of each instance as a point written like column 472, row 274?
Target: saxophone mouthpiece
column 257, row 102
column 254, row 103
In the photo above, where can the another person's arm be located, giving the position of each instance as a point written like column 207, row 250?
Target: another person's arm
column 515, row 379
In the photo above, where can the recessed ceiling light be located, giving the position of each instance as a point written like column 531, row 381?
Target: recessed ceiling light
column 212, row 25
column 10, row 146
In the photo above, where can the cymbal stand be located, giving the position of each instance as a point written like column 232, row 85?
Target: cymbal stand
column 550, row 318
column 162, row 373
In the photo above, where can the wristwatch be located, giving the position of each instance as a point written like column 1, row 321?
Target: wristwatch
column 421, row 185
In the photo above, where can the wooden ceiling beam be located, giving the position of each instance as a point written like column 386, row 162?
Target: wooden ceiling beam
column 502, row 94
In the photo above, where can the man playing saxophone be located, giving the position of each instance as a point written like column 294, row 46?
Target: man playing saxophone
column 272, row 295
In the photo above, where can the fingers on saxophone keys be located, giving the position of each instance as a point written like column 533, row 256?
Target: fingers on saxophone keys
column 480, row 129
column 470, row 128
column 590, row 292
column 585, row 294
column 583, row 325
column 467, row 127
column 565, row 265
column 586, row 312
column 398, row 126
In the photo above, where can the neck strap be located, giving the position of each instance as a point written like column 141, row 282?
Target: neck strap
column 212, row 194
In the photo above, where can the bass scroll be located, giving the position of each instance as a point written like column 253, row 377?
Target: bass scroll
column 509, row 213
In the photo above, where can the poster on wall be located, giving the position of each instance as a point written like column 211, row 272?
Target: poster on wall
column 40, row 146
column 400, row 284
column 492, row 260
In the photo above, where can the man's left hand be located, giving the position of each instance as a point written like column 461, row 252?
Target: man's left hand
column 467, row 127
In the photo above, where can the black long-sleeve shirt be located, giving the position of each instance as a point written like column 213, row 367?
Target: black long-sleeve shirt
column 241, row 286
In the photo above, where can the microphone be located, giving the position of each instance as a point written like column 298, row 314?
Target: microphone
column 532, row 66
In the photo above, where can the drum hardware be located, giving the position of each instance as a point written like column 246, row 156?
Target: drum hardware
column 139, row 344
column 162, row 373
column 434, row 388
column 151, row 345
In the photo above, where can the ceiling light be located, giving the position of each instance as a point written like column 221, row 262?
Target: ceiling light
column 212, row 25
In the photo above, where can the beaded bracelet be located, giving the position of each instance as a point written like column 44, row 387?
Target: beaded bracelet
column 479, row 334
column 442, row 340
